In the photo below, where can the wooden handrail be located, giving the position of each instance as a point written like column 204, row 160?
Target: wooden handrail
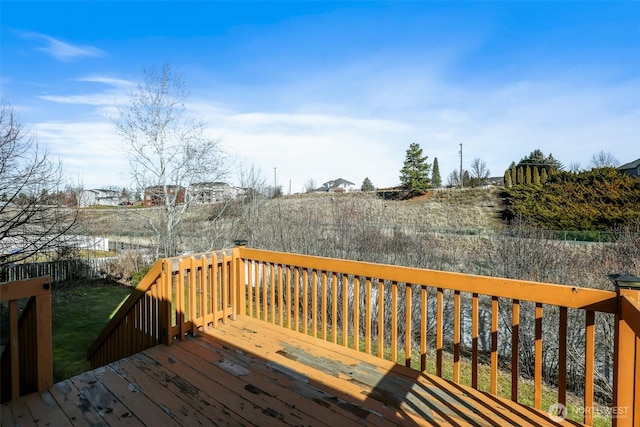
column 27, row 362
column 567, row 296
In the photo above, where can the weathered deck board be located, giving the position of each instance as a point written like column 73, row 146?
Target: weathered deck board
column 247, row 372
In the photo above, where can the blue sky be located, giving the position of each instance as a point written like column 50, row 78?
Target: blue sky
column 322, row 90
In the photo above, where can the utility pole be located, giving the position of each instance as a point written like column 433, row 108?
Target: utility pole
column 275, row 182
column 461, row 173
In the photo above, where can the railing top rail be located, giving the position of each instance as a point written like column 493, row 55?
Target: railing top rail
column 175, row 261
column 545, row 293
column 25, row 288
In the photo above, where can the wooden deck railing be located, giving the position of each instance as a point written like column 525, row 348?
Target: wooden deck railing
column 27, row 361
column 177, row 296
column 397, row 313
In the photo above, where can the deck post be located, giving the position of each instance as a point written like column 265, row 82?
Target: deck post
column 626, row 355
column 240, row 285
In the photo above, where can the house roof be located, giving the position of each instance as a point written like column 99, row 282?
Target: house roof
column 630, row 165
column 337, row 182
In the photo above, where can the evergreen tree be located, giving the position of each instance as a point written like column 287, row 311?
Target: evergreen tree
column 527, row 178
column 414, row 175
column 367, row 185
column 520, row 179
column 536, row 176
column 507, row 178
column 538, row 158
column 543, row 176
column 436, row 181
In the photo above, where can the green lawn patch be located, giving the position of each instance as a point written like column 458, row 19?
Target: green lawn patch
column 79, row 312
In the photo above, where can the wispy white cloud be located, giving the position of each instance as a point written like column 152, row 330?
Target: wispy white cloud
column 116, row 94
column 90, row 151
column 61, row 50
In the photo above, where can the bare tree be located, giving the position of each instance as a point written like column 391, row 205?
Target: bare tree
column 33, row 215
column 309, row 185
column 479, row 172
column 604, row 159
column 575, row 167
column 169, row 152
column 453, row 180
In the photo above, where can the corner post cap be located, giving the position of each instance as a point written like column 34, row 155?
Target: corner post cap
column 625, row 281
column 243, row 242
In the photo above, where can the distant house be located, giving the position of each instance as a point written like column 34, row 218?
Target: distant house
column 338, row 185
column 99, row 197
column 631, row 169
column 494, row 181
column 154, row 195
column 213, row 192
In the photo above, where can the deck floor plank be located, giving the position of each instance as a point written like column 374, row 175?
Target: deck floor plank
column 17, row 413
column 132, row 397
column 251, row 373
column 106, row 404
column 45, row 409
column 342, row 373
column 288, row 387
column 216, row 413
column 77, row 408
column 228, row 390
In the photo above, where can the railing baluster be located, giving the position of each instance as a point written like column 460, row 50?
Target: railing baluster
column 494, row 345
column 288, row 295
column 232, row 286
column 381, row 318
column 241, row 283
column 272, row 292
column 204, row 291
column 407, row 327
column 439, row 331
column 474, row 341
column 537, row 369
column 394, row 321
column 423, row 328
column 192, row 295
column 280, row 297
column 515, row 354
column 305, row 301
column 562, row 357
column 214, row 289
column 250, row 286
column 589, row 350
column 296, row 298
column 314, row 303
column 323, row 311
column 345, row 310
column 367, row 317
column 265, row 299
column 179, row 300
column 334, row 308
column 356, row 313
column 456, row 336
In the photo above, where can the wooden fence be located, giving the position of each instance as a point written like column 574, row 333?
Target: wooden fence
column 59, row 271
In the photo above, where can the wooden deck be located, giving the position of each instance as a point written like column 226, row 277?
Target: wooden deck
column 248, row 372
